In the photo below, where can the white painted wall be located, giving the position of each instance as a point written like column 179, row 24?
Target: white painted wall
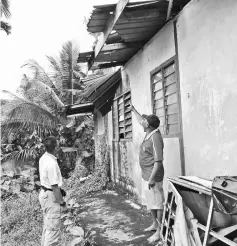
column 207, row 40
column 157, row 51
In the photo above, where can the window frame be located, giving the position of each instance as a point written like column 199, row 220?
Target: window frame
column 117, row 99
column 154, row 71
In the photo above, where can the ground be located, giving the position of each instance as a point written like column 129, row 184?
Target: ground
column 116, row 219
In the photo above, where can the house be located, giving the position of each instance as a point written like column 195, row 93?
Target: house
column 178, row 60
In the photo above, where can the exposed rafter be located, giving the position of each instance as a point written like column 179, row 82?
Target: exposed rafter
column 170, row 6
column 109, row 27
column 86, row 56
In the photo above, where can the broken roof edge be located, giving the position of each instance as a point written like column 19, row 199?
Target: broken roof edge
column 100, row 82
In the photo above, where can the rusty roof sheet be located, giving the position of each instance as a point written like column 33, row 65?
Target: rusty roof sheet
column 138, row 23
column 100, row 90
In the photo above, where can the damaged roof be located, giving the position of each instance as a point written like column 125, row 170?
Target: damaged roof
column 125, row 32
column 99, row 93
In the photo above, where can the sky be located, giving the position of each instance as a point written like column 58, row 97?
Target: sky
column 39, row 28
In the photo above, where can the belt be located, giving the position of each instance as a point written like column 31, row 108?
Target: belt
column 63, row 192
column 45, row 188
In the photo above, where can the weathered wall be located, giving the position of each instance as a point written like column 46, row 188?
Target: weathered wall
column 207, row 40
column 157, row 51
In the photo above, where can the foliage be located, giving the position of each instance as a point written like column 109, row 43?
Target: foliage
column 5, row 9
column 72, row 229
column 99, row 178
column 42, row 95
column 21, row 220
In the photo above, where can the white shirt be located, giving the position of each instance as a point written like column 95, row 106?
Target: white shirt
column 49, row 171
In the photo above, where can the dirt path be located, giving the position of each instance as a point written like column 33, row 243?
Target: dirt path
column 116, row 220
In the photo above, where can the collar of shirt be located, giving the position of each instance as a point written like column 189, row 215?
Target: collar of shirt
column 150, row 134
column 47, row 153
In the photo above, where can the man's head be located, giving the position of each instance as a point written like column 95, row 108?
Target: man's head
column 151, row 122
column 50, row 144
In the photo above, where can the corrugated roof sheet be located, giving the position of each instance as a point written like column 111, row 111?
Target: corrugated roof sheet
column 138, row 23
column 100, row 91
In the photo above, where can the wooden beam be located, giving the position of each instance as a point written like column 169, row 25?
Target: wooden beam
column 108, row 65
column 120, row 46
column 170, row 6
column 142, row 14
column 109, row 27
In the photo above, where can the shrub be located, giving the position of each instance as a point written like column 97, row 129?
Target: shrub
column 21, row 220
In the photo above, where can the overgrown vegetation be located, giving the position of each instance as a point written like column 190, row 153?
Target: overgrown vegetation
column 28, row 117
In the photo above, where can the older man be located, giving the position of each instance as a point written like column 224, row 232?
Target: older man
column 50, row 197
column 151, row 163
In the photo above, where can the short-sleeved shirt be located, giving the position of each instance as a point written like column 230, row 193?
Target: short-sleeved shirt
column 151, row 150
column 49, row 171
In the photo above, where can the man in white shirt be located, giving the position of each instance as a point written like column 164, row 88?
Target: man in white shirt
column 50, row 197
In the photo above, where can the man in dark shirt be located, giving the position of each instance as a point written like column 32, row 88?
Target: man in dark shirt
column 151, row 163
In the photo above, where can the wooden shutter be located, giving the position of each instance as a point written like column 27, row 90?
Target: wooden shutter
column 127, row 115
column 115, row 120
column 158, row 99
column 122, row 117
column 165, row 99
column 171, row 99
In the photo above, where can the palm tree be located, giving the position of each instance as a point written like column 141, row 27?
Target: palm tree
column 5, row 10
column 41, row 96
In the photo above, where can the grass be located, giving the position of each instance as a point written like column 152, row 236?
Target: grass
column 21, row 223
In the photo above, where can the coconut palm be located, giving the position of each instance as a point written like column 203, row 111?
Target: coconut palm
column 42, row 95
column 5, row 10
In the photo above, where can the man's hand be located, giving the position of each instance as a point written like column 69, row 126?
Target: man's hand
column 151, row 184
column 64, row 208
column 131, row 107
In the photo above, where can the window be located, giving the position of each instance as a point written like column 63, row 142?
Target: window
column 122, row 117
column 165, row 98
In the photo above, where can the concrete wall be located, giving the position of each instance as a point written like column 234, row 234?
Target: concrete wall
column 207, row 45
column 137, row 71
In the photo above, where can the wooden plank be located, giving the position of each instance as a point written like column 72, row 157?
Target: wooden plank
column 216, row 235
column 170, row 89
column 109, row 27
column 159, row 112
column 108, row 65
column 173, row 118
column 171, row 99
column 128, row 135
column 128, row 122
column 157, row 86
column 128, row 128
column 157, row 77
column 159, row 103
column 120, row 46
column 170, row 6
column 170, row 79
column 139, row 36
column 209, row 222
column 142, row 14
column 172, row 109
column 158, row 95
column 136, row 30
column 159, row 20
column 121, row 26
column 223, row 232
column 169, row 69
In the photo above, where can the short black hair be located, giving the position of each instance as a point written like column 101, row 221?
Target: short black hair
column 152, row 119
column 48, row 143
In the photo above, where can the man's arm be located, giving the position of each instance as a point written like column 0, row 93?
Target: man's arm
column 158, row 158
column 138, row 116
column 156, row 169
column 57, row 194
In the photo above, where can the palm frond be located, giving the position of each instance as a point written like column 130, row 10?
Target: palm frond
column 21, row 112
column 5, row 8
column 39, row 73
